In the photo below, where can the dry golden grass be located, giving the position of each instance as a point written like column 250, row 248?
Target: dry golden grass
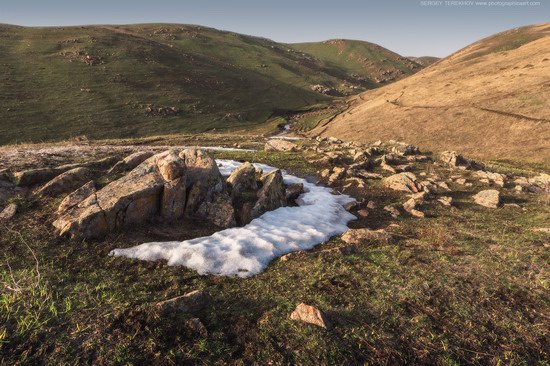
column 488, row 100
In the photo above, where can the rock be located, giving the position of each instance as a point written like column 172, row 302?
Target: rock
column 334, row 140
column 542, row 182
column 190, row 302
column 195, row 326
column 66, row 182
column 488, row 198
column 371, row 205
column 443, row 186
column 279, row 145
column 402, row 182
column 350, row 182
column 393, row 211
column 77, row 196
column 272, row 195
column 337, row 174
column 220, row 211
column 445, row 200
column 363, row 213
column 311, row 315
column 405, row 149
column 512, row 205
column 350, row 206
column 242, row 179
column 130, row 162
column 157, row 187
column 544, row 230
column 293, row 191
column 358, row 236
column 496, row 178
column 8, row 212
column 410, row 207
column 460, row 181
column 36, row 176
column 325, row 173
column 454, row 159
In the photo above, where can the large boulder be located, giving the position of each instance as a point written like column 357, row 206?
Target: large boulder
column 403, row 182
column 279, row 145
column 77, row 196
column 66, row 182
column 156, row 188
column 488, row 198
column 243, row 179
column 272, row 195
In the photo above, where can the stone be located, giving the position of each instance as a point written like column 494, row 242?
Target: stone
column 77, row 196
column 219, row 211
column 460, row 181
column 402, row 182
column 8, row 212
column 190, row 302
column 371, row 205
column 454, row 159
column 311, row 315
column 33, row 177
column 445, row 200
column 488, row 198
column 394, row 212
column 544, row 230
column 195, row 326
column 272, row 195
column 358, row 236
column 242, row 179
column 487, row 177
column 66, row 182
column 279, row 145
column 337, row 174
column 350, row 206
column 203, row 178
column 130, row 162
column 405, row 149
column 444, row 186
column 293, row 191
column 363, row 213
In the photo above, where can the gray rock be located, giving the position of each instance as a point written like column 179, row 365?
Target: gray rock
column 403, row 182
column 190, row 302
column 66, row 182
column 488, row 198
column 279, row 145
column 130, row 162
column 272, row 195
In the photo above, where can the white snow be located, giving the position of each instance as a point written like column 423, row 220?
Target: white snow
column 246, row 251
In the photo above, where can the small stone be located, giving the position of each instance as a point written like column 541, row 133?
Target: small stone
column 371, row 205
column 544, row 230
column 445, row 200
column 512, row 205
column 311, row 315
column 489, row 198
column 8, row 212
column 351, row 205
column 460, row 181
column 393, row 211
column 294, row 190
column 195, row 325
column 363, row 213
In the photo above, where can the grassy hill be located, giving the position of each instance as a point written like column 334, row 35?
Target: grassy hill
column 489, row 100
column 366, row 61
column 137, row 80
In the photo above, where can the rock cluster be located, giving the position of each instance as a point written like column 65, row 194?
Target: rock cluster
column 169, row 186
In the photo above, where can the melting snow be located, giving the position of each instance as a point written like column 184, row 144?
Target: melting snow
column 246, row 251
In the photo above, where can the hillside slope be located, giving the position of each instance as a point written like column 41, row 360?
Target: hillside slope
column 367, row 62
column 489, row 100
column 136, row 80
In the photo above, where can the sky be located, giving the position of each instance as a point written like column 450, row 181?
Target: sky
column 408, row 27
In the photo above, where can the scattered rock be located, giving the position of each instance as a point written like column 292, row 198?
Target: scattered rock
column 403, row 182
column 445, row 200
column 363, row 213
column 66, row 182
column 488, row 198
column 350, row 206
column 454, row 159
column 358, row 236
column 8, row 212
column 190, row 302
column 311, row 315
column 487, row 177
column 544, row 230
column 371, row 205
column 337, row 174
column 279, row 145
column 394, row 212
column 460, row 181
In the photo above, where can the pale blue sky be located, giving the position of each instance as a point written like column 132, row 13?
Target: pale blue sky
column 408, row 27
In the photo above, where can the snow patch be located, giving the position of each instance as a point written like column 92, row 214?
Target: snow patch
column 246, row 251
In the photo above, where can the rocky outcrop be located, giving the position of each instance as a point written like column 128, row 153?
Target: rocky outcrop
column 66, row 182
column 77, row 196
column 156, row 188
column 488, row 198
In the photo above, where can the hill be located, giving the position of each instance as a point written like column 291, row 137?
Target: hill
column 489, row 100
column 367, row 61
column 138, row 80
column 425, row 60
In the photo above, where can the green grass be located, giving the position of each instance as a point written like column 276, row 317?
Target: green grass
column 219, row 81
column 466, row 285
